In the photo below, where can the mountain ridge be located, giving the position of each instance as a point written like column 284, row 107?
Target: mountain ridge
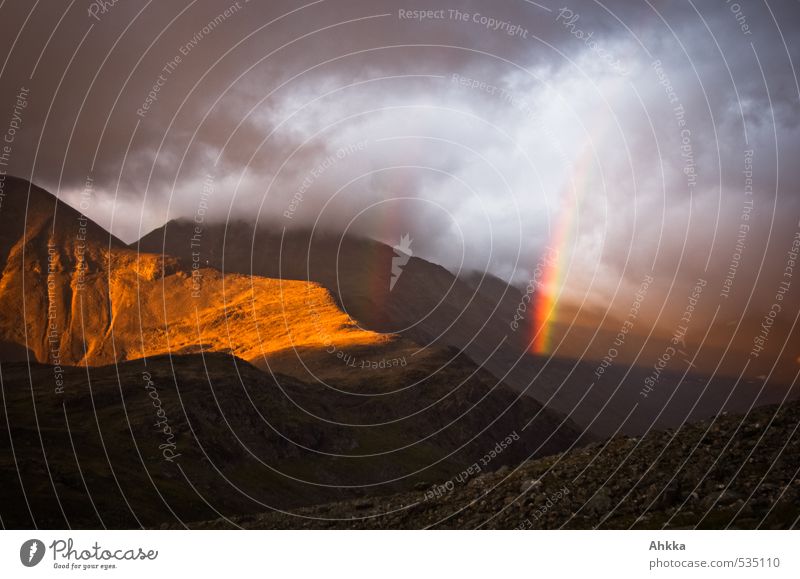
column 74, row 294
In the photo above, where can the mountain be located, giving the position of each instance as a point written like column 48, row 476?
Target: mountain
column 73, row 294
column 733, row 471
column 473, row 312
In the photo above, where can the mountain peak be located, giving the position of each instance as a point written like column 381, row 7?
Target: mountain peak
column 31, row 212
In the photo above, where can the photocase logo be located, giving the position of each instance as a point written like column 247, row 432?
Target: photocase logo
column 402, row 253
column 32, row 552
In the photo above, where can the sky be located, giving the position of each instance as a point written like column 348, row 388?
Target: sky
column 631, row 138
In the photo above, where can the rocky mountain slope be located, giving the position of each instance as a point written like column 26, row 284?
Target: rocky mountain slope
column 732, row 471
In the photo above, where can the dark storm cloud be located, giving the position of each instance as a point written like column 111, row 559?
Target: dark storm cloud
column 472, row 135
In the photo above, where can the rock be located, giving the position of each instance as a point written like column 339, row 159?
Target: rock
column 728, row 497
column 530, row 485
column 600, row 503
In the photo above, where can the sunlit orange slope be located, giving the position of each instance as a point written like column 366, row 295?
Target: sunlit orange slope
column 73, row 294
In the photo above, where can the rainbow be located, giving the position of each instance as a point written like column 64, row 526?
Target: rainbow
column 555, row 268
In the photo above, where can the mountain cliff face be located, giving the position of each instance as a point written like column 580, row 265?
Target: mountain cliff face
column 427, row 303
column 74, row 294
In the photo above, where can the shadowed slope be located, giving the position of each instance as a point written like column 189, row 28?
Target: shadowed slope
column 240, row 441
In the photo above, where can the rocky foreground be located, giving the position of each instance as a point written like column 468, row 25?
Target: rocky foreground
column 726, row 472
